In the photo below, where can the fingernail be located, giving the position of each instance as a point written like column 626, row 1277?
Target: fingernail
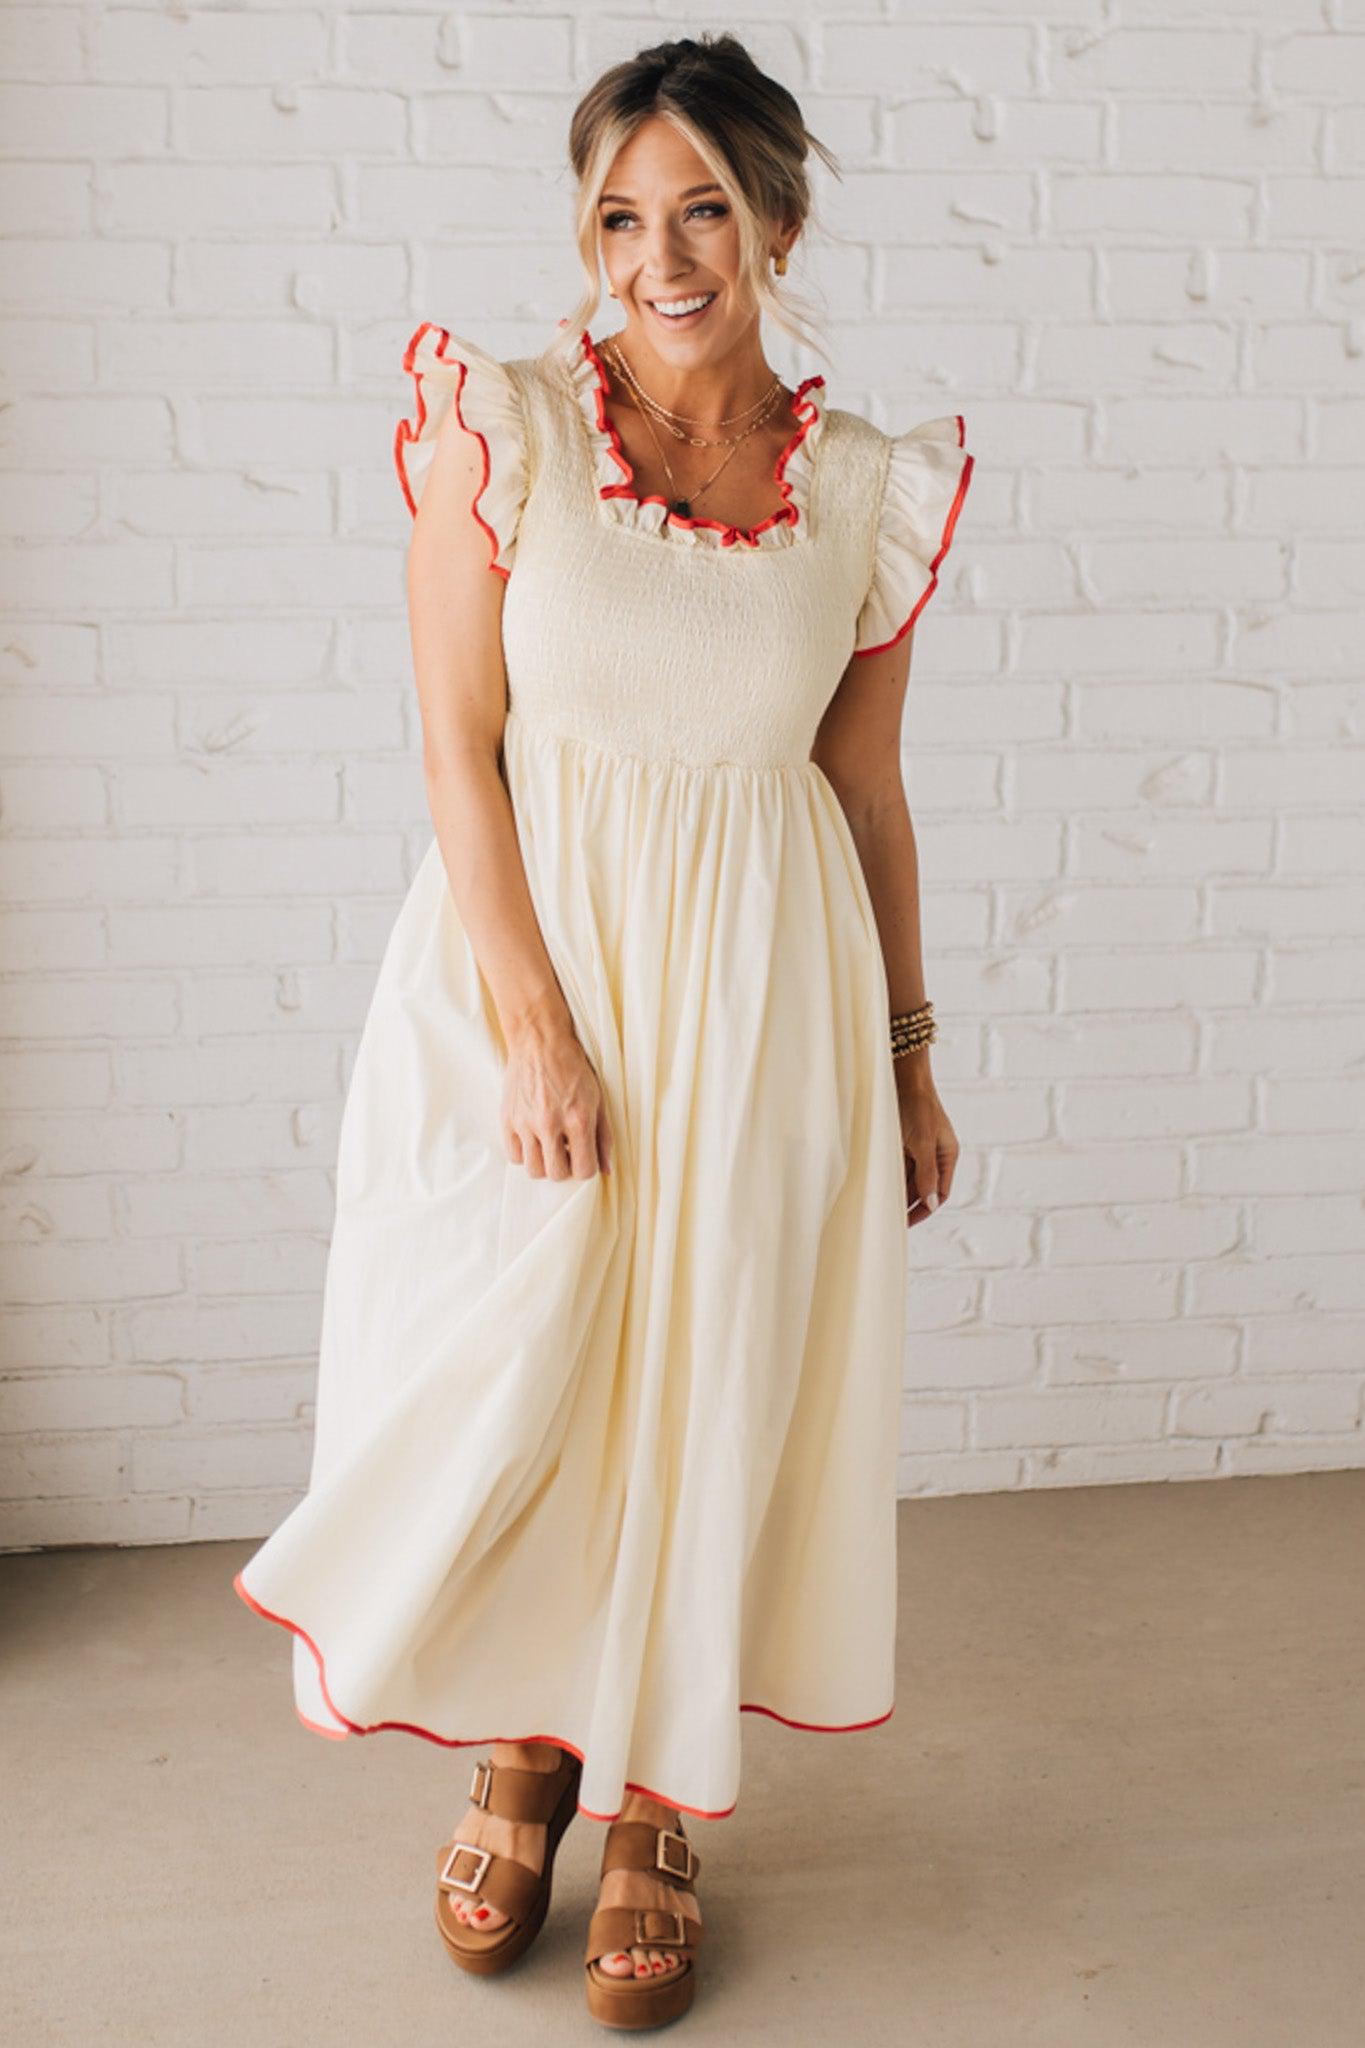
column 931, row 1201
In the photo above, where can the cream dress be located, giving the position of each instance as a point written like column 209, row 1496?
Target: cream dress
column 609, row 1462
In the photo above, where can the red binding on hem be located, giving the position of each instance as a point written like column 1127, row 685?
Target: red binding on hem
column 945, row 542
column 409, row 431
column 480, row 1741
column 788, row 514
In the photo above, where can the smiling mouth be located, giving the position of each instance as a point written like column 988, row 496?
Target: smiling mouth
column 689, row 307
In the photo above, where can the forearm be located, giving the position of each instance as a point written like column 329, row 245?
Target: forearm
column 476, row 831
column 885, row 839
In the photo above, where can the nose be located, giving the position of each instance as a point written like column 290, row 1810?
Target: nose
column 665, row 260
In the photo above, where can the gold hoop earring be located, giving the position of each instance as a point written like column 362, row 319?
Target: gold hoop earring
column 780, row 264
column 610, row 293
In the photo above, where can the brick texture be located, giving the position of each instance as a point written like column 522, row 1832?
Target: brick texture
column 1129, row 252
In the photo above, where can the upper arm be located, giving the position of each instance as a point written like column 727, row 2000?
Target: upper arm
column 463, row 468
column 455, row 606
column 924, row 485
column 858, row 742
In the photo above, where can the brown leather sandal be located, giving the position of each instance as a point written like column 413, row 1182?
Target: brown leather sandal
column 512, row 1887
column 629, row 2001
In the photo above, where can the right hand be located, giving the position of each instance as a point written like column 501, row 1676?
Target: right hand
column 554, row 1113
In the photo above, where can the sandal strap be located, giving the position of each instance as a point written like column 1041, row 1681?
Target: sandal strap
column 623, row 1927
column 515, row 1794
column 464, row 1870
column 468, row 1872
column 638, row 1845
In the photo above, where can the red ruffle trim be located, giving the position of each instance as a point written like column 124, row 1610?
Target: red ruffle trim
column 480, row 1741
column 945, row 542
column 411, row 430
column 787, row 515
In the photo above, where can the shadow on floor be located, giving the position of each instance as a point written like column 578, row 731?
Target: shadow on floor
column 1120, row 1804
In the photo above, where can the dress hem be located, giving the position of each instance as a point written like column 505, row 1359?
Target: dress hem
column 478, row 1741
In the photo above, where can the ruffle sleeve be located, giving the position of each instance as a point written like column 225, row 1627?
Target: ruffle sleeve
column 926, row 481
column 447, row 371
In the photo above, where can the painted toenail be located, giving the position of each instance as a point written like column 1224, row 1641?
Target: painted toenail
column 482, row 1913
column 641, row 1970
column 661, row 1966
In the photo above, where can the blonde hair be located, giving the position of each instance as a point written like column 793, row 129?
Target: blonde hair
column 745, row 126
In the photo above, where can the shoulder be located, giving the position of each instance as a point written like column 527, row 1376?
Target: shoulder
column 852, row 466
column 853, row 424
column 455, row 379
column 854, row 432
column 445, row 365
column 946, row 432
column 925, row 467
column 925, row 474
column 542, row 379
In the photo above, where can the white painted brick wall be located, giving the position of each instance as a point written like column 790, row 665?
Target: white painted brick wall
column 1125, row 241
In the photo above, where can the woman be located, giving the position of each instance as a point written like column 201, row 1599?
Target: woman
column 611, row 1343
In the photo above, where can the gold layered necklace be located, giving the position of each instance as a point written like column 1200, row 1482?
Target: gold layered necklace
column 676, row 423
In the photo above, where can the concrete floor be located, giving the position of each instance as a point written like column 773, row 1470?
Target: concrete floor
column 1121, row 1801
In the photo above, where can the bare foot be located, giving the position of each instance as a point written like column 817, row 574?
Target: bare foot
column 522, row 1840
column 646, row 1888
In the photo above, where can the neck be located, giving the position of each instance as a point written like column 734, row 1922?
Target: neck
column 712, row 392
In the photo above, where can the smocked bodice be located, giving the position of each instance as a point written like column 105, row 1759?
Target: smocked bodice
column 687, row 641
column 617, row 634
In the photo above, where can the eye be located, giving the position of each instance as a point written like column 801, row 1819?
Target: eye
column 611, row 221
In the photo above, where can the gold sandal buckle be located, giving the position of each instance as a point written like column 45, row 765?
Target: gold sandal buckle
column 465, row 1884
column 479, row 1788
column 683, row 1871
column 643, row 1940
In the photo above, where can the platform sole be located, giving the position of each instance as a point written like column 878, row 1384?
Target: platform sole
column 618, row 2002
column 498, row 1956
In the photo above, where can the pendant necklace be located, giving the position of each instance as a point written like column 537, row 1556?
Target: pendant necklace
column 681, row 504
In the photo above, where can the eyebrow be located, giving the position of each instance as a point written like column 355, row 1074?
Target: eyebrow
column 621, row 198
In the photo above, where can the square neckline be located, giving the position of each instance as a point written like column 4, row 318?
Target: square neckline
column 614, row 477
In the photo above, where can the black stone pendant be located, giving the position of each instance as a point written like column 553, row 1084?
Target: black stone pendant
column 683, row 507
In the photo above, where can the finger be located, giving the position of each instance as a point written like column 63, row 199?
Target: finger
column 911, row 1191
column 555, row 1143
column 925, row 1178
column 535, row 1158
column 947, row 1167
column 915, row 1211
column 604, row 1139
column 582, row 1145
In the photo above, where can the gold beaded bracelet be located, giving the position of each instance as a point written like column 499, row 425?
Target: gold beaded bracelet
column 912, row 1030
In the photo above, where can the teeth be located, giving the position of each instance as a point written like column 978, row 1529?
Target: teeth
column 674, row 307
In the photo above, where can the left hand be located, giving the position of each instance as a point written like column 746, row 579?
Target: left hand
column 928, row 1141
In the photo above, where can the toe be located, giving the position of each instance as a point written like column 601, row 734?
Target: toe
column 618, row 1965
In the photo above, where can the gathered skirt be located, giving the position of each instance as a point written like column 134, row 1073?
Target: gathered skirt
column 610, row 1461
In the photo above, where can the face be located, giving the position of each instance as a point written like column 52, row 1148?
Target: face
column 668, row 238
